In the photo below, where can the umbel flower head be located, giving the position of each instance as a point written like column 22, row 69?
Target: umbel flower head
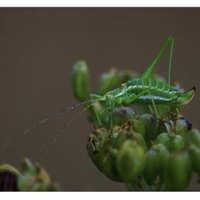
column 141, row 150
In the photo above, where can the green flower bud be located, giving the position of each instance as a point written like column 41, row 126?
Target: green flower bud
column 151, row 165
column 108, row 81
column 182, row 128
column 30, row 183
column 164, row 139
column 25, row 182
column 172, row 141
column 164, row 159
column 92, row 150
column 140, row 141
column 151, row 127
column 94, row 146
column 28, row 167
column 35, row 178
column 122, row 114
column 179, row 171
column 130, row 160
column 126, row 133
column 138, row 127
column 99, row 148
column 156, row 160
column 110, row 166
column 80, row 81
column 194, row 152
column 121, row 138
column 194, row 137
column 176, row 143
column 101, row 155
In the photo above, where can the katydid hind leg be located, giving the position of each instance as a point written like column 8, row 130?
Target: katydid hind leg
column 148, row 72
column 170, row 61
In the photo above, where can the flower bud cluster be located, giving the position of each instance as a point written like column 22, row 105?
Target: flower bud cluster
column 32, row 178
column 141, row 154
column 141, row 150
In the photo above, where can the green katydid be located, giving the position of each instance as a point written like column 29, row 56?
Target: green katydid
column 142, row 90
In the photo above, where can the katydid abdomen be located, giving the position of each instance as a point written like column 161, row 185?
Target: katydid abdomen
column 157, row 91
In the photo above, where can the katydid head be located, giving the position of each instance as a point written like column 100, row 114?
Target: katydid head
column 185, row 98
column 105, row 98
column 112, row 97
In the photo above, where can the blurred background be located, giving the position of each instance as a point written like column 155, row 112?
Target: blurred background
column 39, row 46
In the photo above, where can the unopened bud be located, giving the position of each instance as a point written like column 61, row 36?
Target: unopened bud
column 130, row 160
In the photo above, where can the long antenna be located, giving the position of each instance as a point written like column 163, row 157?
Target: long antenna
column 44, row 121
column 62, row 130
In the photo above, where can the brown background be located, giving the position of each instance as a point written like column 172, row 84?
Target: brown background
column 38, row 48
